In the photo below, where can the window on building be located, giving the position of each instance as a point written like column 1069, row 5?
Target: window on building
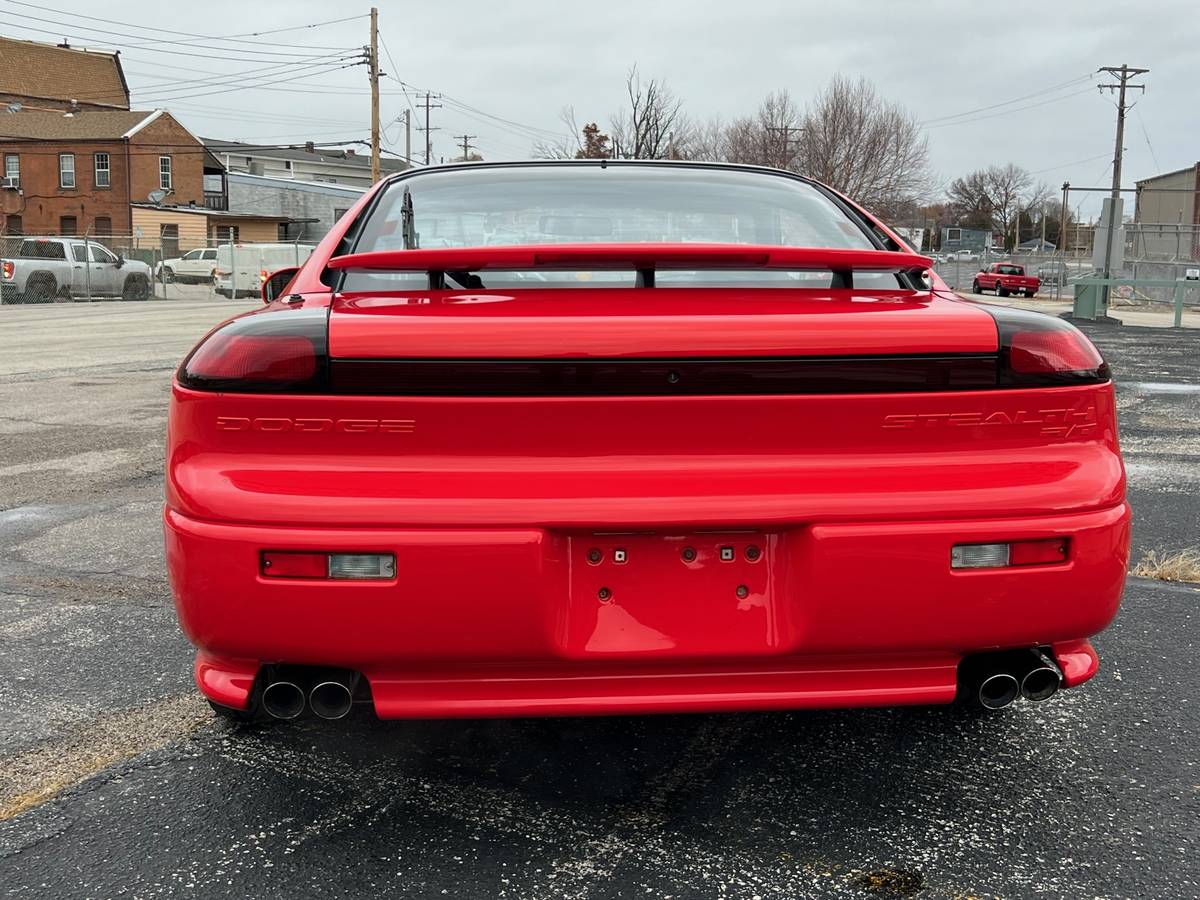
column 12, row 170
column 103, row 174
column 66, row 225
column 954, row 234
column 227, row 234
column 338, row 213
column 66, row 170
column 164, row 173
column 168, row 237
column 103, row 227
column 13, row 225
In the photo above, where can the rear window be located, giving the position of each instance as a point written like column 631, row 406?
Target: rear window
column 42, row 250
column 1011, row 270
column 571, row 204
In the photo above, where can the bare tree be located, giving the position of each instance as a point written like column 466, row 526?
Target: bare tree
column 997, row 197
column 653, row 126
column 565, row 147
column 867, row 147
column 769, row 137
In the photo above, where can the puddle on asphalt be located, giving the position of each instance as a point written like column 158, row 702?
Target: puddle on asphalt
column 1159, row 387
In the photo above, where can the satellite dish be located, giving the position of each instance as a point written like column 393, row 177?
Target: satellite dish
column 157, row 197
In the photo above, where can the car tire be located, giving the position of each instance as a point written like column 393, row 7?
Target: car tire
column 40, row 289
column 168, row 274
column 1000, row 290
column 975, row 288
column 136, row 288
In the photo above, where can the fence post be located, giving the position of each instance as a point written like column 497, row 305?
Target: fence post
column 1179, row 284
column 87, row 263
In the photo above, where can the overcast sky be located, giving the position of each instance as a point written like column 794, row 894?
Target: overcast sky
column 523, row 60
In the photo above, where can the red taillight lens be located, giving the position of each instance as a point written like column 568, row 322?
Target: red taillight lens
column 1052, row 351
column 270, row 352
column 295, row 565
column 8, row 268
column 263, row 275
column 1037, row 350
column 1032, row 553
column 242, row 356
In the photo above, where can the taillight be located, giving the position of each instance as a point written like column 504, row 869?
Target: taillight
column 1040, row 350
column 278, row 351
column 8, row 269
column 263, row 275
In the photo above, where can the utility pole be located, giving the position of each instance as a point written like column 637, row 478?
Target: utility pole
column 1122, row 73
column 408, row 137
column 1062, row 222
column 427, row 105
column 786, row 131
column 374, row 94
column 466, row 143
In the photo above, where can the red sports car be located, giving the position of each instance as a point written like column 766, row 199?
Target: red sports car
column 624, row 437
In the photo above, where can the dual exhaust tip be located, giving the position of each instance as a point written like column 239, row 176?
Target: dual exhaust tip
column 330, row 697
column 1002, row 678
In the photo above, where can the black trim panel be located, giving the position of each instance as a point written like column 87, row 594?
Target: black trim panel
column 663, row 377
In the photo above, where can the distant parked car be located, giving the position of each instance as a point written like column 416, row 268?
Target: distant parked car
column 243, row 268
column 47, row 269
column 1005, row 278
column 194, row 267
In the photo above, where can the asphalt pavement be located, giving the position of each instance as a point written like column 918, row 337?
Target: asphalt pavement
column 116, row 781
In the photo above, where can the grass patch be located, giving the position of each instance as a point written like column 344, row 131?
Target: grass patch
column 1170, row 565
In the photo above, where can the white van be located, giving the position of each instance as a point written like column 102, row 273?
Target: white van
column 242, row 268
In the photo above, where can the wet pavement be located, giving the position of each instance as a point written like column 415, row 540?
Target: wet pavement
column 116, row 781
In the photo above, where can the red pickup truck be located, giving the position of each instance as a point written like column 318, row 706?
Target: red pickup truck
column 1005, row 279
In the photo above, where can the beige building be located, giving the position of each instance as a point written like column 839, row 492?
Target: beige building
column 1167, row 216
column 178, row 229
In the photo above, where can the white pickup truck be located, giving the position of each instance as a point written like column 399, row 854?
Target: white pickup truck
column 43, row 270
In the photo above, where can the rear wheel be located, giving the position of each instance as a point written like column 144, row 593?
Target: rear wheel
column 1001, row 290
column 136, row 288
column 168, row 274
column 40, row 289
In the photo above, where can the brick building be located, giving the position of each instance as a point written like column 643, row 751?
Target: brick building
column 82, row 173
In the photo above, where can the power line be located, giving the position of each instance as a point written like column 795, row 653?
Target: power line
column 1006, row 112
column 1149, row 146
column 1038, row 93
column 231, row 38
column 72, row 27
column 240, row 87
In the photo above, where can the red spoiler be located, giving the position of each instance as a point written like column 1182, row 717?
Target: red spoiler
column 640, row 257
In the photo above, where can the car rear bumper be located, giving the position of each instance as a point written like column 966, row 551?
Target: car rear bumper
column 509, row 621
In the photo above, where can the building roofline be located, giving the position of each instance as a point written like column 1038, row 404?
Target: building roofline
column 208, row 213
column 1192, row 168
column 142, row 124
column 320, row 186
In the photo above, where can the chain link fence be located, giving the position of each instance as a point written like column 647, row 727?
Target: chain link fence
column 52, row 268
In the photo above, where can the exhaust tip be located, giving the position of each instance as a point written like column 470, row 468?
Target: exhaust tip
column 330, row 699
column 283, row 700
column 998, row 691
column 1040, row 684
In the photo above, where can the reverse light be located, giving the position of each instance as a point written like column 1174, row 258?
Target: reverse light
column 275, row 352
column 1016, row 553
column 360, row 566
